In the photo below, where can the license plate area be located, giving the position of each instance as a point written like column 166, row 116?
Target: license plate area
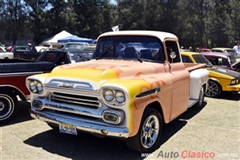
column 67, row 128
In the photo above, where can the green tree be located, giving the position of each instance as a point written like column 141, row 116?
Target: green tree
column 93, row 17
column 36, row 19
column 13, row 19
column 220, row 20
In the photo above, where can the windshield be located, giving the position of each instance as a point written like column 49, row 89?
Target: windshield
column 74, row 46
column 232, row 59
column 79, row 57
column 199, row 58
column 130, row 47
column 232, row 53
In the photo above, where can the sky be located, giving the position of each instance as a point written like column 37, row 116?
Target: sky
column 113, row 1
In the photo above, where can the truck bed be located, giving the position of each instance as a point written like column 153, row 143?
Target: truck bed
column 20, row 65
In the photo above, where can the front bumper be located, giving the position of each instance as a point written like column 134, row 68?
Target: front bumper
column 233, row 88
column 81, row 124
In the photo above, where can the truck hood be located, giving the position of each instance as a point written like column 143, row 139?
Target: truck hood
column 226, row 72
column 98, row 72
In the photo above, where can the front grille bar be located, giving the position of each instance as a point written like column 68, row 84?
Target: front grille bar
column 75, row 99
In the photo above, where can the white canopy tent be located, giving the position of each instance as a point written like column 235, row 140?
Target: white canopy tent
column 55, row 38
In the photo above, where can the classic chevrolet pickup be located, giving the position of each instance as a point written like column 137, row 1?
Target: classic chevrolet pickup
column 135, row 81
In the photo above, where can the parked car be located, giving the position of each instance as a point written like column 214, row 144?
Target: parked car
column 227, row 51
column 200, row 50
column 126, row 97
column 13, row 73
column 24, row 52
column 220, row 79
column 223, row 60
column 74, row 46
column 4, row 54
column 41, row 48
column 89, row 48
column 59, row 57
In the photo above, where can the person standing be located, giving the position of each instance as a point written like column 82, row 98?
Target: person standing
column 237, row 48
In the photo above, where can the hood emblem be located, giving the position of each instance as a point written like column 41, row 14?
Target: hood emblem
column 66, row 85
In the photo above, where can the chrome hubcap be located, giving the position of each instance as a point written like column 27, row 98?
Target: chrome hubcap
column 1, row 106
column 212, row 89
column 6, row 107
column 150, row 131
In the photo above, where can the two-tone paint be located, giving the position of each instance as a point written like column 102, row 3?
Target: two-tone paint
column 86, row 95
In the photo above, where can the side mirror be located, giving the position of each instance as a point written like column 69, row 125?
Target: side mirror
column 173, row 55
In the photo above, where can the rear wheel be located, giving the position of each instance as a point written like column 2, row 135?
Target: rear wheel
column 214, row 89
column 8, row 105
column 148, row 137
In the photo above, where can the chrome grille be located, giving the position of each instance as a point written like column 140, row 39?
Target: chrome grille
column 84, row 101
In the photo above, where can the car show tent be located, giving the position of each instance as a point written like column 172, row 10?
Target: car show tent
column 55, row 38
column 75, row 38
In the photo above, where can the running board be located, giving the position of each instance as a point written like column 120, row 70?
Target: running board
column 191, row 102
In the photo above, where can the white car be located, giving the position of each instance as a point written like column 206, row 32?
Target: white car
column 4, row 54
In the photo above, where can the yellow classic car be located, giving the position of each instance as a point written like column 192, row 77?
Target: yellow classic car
column 220, row 79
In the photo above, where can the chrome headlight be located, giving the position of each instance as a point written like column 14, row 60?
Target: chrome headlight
column 39, row 87
column 120, row 97
column 234, row 81
column 35, row 86
column 114, row 96
column 108, row 95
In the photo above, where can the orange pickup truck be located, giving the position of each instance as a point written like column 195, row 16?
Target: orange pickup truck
column 135, row 82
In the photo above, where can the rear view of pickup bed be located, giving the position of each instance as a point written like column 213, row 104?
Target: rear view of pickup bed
column 13, row 73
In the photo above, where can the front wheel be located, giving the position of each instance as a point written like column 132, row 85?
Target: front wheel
column 148, row 137
column 8, row 105
column 214, row 89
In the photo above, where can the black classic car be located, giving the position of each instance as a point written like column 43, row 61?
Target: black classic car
column 13, row 73
column 59, row 57
column 25, row 52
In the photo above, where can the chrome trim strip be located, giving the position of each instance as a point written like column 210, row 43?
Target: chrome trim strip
column 118, row 114
column 18, row 74
column 82, row 125
column 90, row 93
column 149, row 92
column 75, row 102
column 69, row 84
column 74, row 109
column 68, row 99
column 26, row 96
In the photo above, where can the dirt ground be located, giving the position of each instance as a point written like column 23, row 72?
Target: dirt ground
column 211, row 132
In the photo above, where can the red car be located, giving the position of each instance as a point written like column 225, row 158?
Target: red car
column 223, row 60
column 200, row 50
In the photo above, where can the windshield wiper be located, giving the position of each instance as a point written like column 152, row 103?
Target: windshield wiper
column 104, row 52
